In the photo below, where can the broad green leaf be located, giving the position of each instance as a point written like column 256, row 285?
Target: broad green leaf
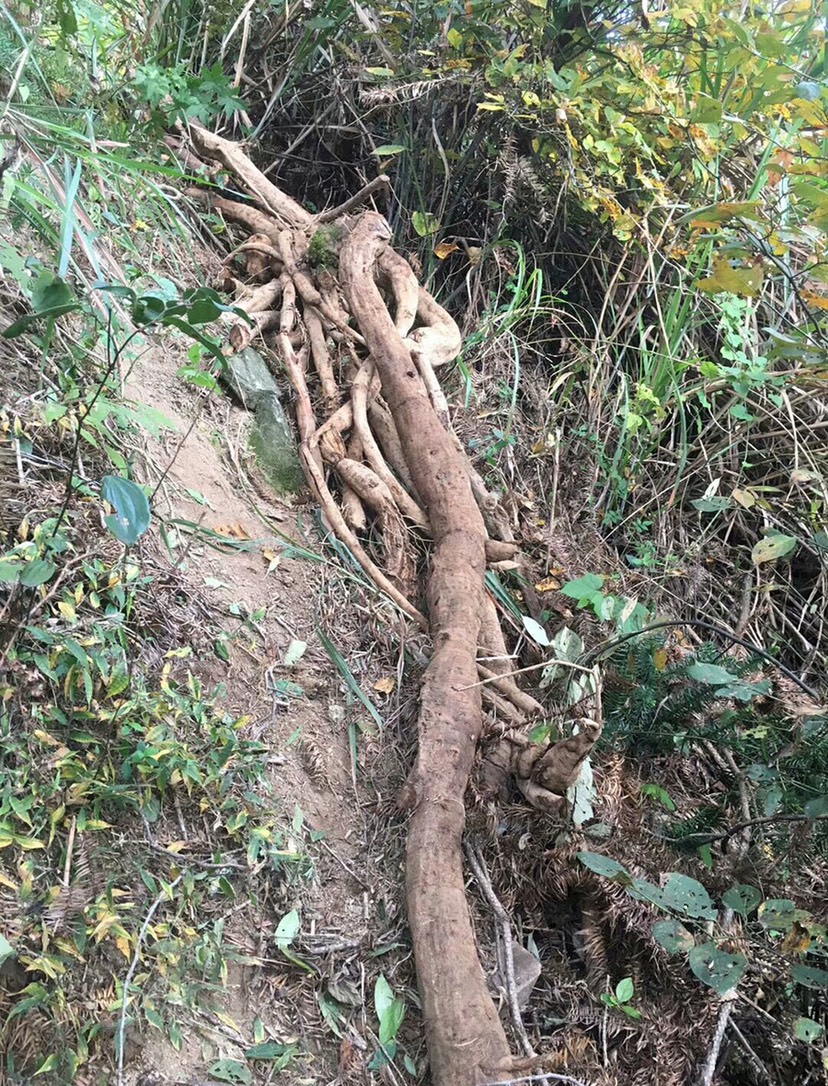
column 132, row 510
column 772, row 547
column 50, row 292
column 673, row 936
column 37, row 572
column 425, row 223
column 742, row 899
column 817, row 808
column 606, row 866
column 232, row 1071
column 716, row 968
column 624, row 990
column 267, row 1050
column 383, row 996
column 716, row 504
column 810, row 976
column 10, row 569
column 806, row 1029
column 778, row 914
column 391, row 1021
column 390, row 149
column 710, row 674
column 287, row 929
column 583, row 589
column 744, row 691
column 687, row 896
column 6, row 949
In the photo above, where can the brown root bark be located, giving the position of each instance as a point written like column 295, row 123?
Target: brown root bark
column 466, row 1039
column 385, row 436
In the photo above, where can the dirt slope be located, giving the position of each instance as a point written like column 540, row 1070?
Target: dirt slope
column 307, row 736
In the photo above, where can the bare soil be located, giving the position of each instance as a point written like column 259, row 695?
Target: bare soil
column 312, row 778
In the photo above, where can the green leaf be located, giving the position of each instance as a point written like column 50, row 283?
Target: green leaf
column 37, row 572
column 710, row 674
column 267, row 1050
column 232, row 1071
column 287, row 929
column 425, row 223
column 744, row 691
column 383, row 996
column 716, row 504
column 715, row 968
column 606, row 866
column 687, row 896
column 583, row 589
column 295, row 651
column 742, row 899
column 806, row 1029
column 814, row 808
column 773, row 546
column 778, row 914
column 49, row 1064
column 390, row 149
column 132, row 510
column 810, row 976
column 673, row 936
column 50, row 292
column 6, row 949
column 10, row 569
column 624, row 990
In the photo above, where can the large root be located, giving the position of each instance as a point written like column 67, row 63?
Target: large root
column 363, row 351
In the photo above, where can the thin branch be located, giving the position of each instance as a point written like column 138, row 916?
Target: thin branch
column 383, row 181
column 133, row 965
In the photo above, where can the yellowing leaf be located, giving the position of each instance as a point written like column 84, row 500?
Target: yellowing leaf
column 772, row 547
column 386, row 685
column 660, row 659
column 744, row 497
column 67, row 610
column 444, row 249
column 123, row 944
column 818, row 301
column 176, row 846
column 745, row 281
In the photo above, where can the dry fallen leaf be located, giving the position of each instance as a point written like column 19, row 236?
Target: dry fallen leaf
column 548, row 584
column 386, row 685
column 232, row 531
column 444, row 249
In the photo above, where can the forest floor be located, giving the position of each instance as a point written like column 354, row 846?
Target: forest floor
column 334, row 793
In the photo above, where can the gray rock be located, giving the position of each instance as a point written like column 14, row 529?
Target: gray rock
column 527, row 971
column 249, row 378
column 271, row 438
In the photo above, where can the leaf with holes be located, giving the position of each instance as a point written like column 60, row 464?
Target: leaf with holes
column 685, row 895
column 806, row 1029
column 742, row 899
column 811, row 976
column 772, row 547
column 287, row 929
column 716, row 968
column 673, row 936
column 132, row 510
column 778, row 914
column 232, row 1071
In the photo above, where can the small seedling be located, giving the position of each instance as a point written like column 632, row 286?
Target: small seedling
column 620, row 1000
